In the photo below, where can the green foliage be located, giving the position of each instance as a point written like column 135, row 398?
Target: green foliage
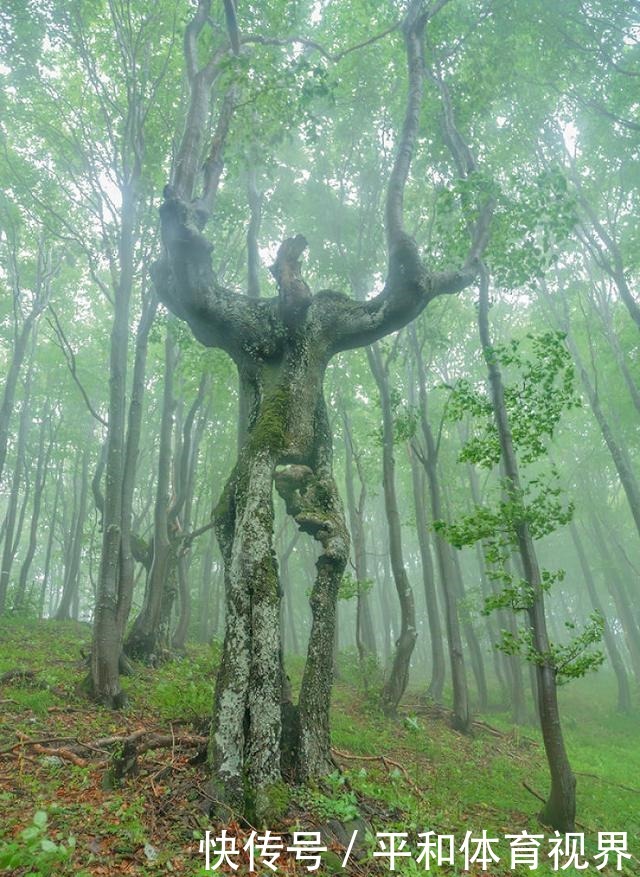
column 34, row 851
column 571, row 660
column 532, row 220
column 350, row 587
column 534, row 404
column 542, row 388
column 185, row 688
column 339, row 801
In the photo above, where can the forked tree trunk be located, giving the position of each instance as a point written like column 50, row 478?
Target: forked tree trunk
column 249, row 743
column 281, row 348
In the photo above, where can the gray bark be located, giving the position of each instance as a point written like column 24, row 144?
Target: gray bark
column 560, row 807
column 9, row 548
column 617, row 664
column 398, row 677
column 461, row 717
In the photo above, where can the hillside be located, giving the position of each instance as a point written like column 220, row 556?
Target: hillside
column 414, row 774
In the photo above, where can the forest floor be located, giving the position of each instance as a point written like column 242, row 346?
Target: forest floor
column 413, row 774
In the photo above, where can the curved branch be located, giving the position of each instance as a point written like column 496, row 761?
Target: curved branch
column 186, row 284
column 409, row 285
column 70, row 357
column 413, row 28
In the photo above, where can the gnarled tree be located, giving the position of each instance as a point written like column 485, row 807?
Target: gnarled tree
column 281, row 347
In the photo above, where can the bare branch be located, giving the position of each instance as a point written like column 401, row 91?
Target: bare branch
column 70, row 357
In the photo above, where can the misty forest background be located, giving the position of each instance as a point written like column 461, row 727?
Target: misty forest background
column 531, row 105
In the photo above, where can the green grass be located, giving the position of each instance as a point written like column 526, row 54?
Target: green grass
column 445, row 782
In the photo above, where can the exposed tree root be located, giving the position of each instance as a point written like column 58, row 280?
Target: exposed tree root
column 537, row 795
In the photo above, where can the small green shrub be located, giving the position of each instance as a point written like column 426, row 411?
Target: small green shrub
column 340, row 803
column 34, row 850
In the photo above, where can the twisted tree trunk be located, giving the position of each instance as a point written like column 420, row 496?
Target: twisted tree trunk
column 281, row 347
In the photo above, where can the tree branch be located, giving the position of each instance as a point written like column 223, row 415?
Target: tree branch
column 70, row 357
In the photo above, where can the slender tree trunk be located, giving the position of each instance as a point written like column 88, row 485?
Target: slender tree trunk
column 8, row 552
column 38, row 489
column 619, row 453
column 287, row 596
column 461, row 718
column 72, row 580
column 145, row 636
column 621, row 360
column 475, row 652
column 398, row 678
column 613, row 263
column 436, row 683
column 21, row 338
column 107, row 639
column 126, row 570
column 181, row 511
column 52, row 518
column 624, row 693
column 365, row 636
column 560, row 808
column 618, row 593
column 507, row 667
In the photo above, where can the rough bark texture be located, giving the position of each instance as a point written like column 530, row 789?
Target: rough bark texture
column 281, row 347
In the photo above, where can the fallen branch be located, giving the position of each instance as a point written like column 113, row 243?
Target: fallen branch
column 127, row 742
column 496, row 732
column 594, row 776
column 26, row 741
column 386, row 762
column 64, row 754
column 533, row 792
column 13, row 675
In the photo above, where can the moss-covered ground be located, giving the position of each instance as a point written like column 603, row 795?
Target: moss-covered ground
column 412, row 774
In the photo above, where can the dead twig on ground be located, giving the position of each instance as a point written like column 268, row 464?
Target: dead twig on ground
column 386, row 762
